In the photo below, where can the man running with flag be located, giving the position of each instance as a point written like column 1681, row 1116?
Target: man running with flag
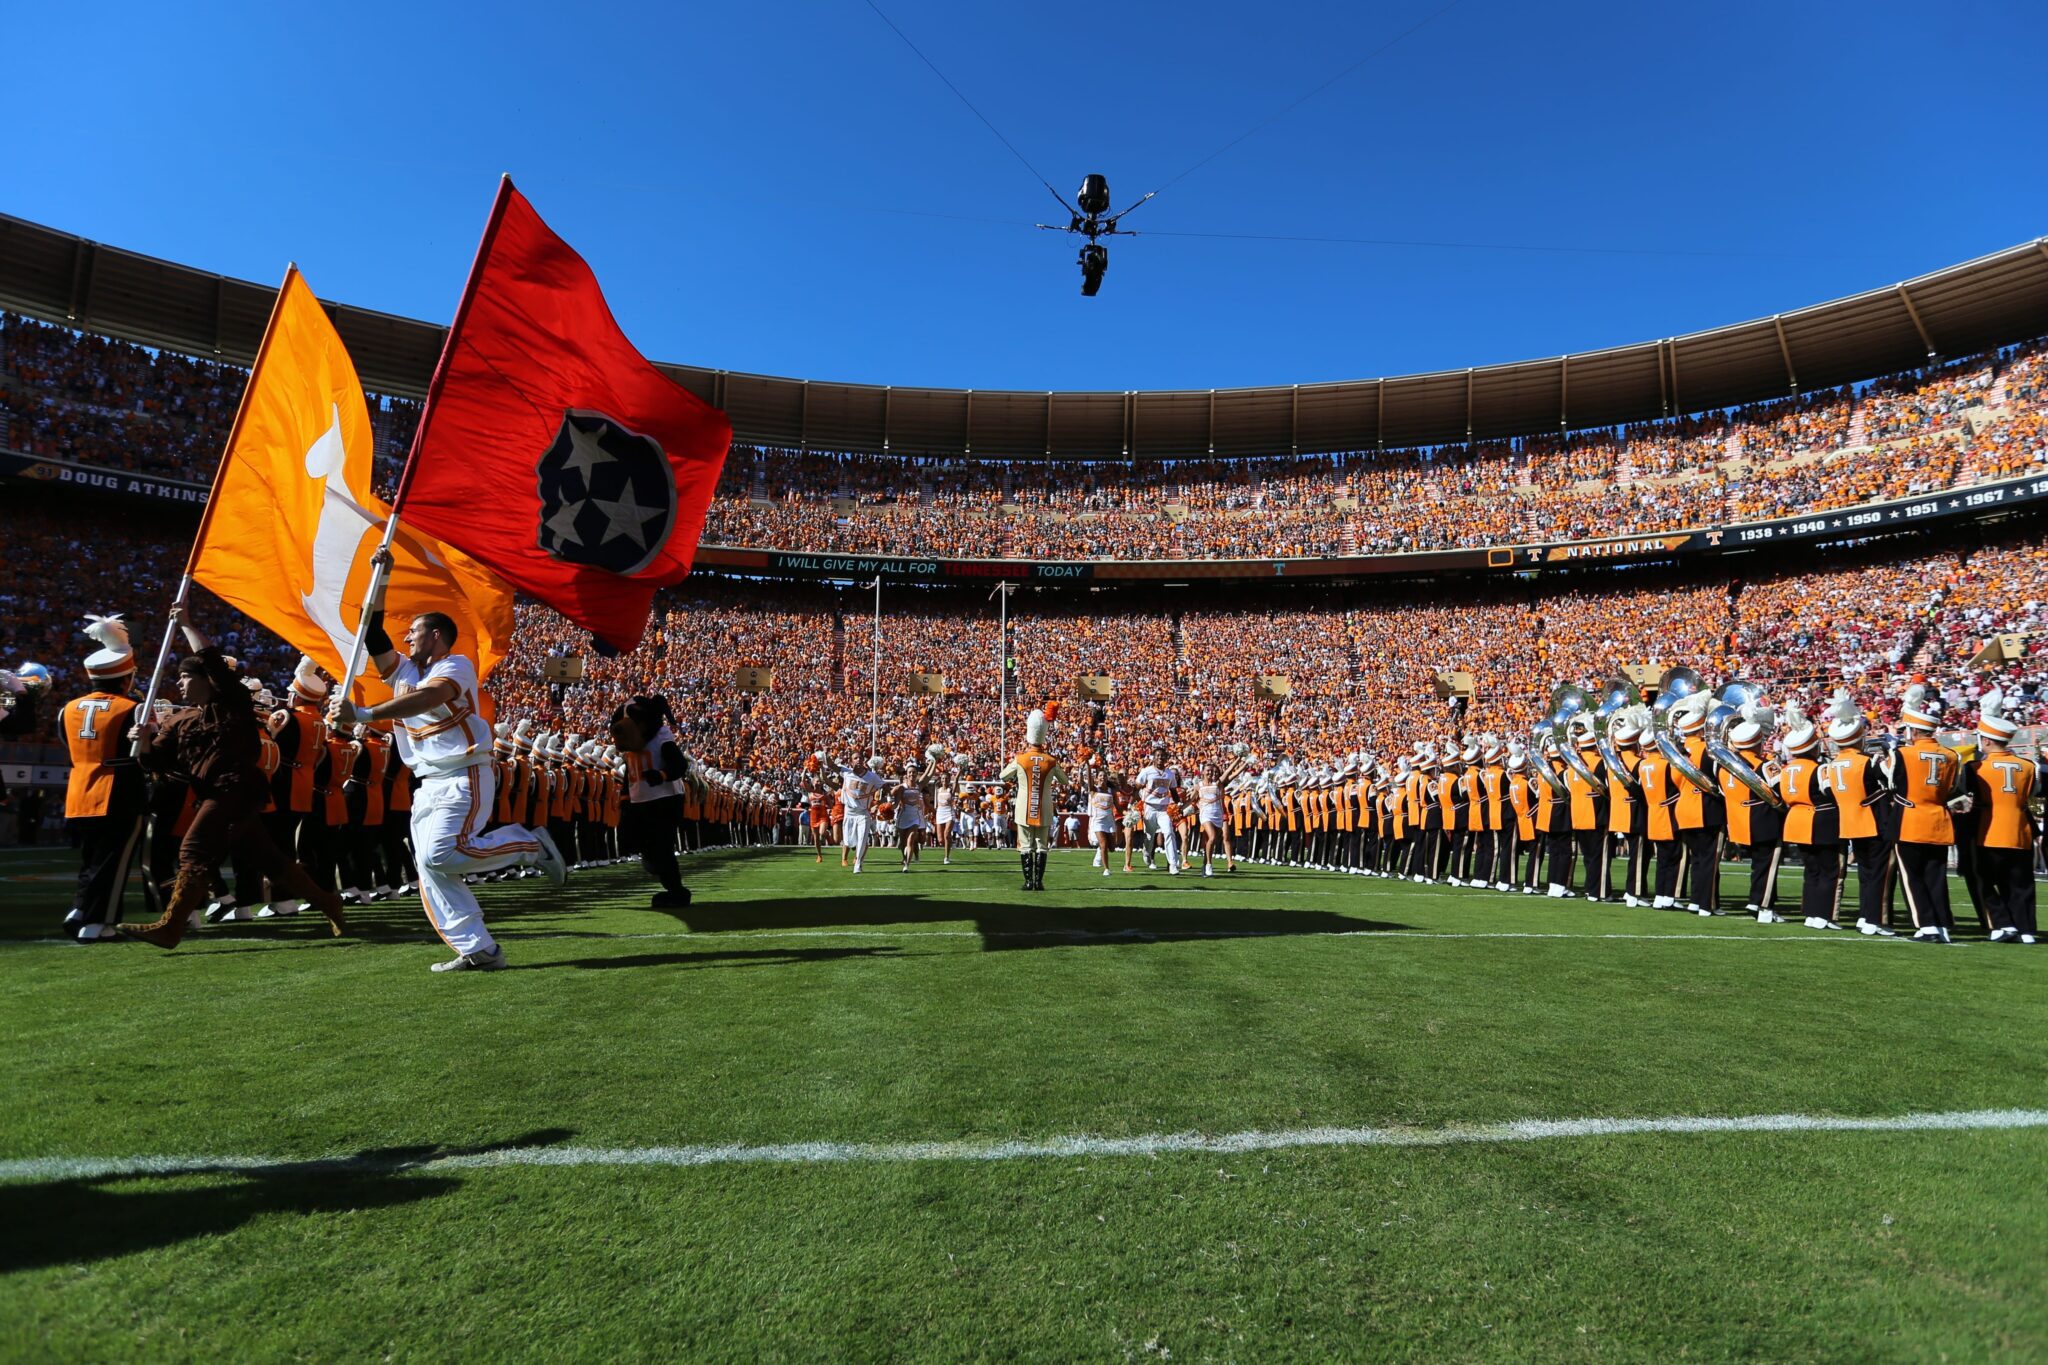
column 447, row 744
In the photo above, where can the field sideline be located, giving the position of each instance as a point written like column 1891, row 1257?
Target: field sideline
column 1275, row 1115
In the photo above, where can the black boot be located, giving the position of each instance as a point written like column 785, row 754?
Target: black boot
column 1029, row 862
column 1038, row 872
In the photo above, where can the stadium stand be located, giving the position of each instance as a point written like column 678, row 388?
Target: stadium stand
column 101, row 402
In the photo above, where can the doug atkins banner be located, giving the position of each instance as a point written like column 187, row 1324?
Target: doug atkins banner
column 117, row 483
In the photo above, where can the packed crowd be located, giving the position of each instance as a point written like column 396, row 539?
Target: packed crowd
column 99, row 401
column 1360, row 665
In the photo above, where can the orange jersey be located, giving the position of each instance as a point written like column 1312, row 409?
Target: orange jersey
column 1654, row 772
column 95, row 731
column 1926, row 776
column 2003, row 783
column 1854, row 783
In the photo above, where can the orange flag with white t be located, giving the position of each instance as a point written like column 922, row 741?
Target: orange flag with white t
column 293, row 519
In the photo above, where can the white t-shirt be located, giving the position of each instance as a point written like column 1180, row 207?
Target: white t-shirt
column 1156, row 786
column 449, row 738
column 856, row 789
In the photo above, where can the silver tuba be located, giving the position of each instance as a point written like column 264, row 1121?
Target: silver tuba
column 1617, row 695
column 1729, row 700
column 1566, row 701
column 1678, row 683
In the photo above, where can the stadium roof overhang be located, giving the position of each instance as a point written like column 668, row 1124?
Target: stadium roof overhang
column 1995, row 300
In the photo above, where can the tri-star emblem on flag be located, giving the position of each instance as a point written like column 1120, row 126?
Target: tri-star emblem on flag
column 607, row 494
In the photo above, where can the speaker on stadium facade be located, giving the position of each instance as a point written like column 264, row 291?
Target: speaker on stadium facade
column 753, row 678
column 562, row 671
column 1453, row 683
column 1094, row 687
column 1274, row 687
column 925, row 684
column 2000, row 649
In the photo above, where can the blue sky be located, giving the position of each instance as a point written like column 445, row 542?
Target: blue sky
column 746, row 180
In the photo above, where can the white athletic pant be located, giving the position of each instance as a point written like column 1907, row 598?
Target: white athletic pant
column 446, row 815
column 1161, row 824
column 854, row 835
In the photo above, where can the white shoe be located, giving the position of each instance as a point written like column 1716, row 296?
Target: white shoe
column 1769, row 917
column 1502, row 886
column 1816, row 922
column 488, row 961
column 1930, row 934
column 1454, row 881
column 551, row 862
column 1105, row 872
column 1558, row 893
column 1630, row 901
column 1662, row 903
column 2028, row 938
column 2008, row 934
column 1528, row 890
column 1871, row 929
column 1208, row 871
column 1701, row 911
column 382, row 893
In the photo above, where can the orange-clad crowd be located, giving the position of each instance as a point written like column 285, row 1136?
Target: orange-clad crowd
column 99, row 401
column 1359, row 663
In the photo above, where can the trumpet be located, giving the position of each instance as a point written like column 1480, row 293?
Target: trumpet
column 1619, row 694
column 1729, row 700
column 1678, row 683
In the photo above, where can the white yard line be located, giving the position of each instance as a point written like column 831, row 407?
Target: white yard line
column 1057, row 1148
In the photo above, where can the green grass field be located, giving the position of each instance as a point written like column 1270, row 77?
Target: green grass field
column 407, row 1203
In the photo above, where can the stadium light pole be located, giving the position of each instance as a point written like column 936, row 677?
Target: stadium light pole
column 875, row 678
column 1003, row 591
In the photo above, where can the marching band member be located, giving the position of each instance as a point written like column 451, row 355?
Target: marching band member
column 1812, row 821
column 1523, row 800
column 1754, row 823
column 1699, row 812
column 1626, row 815
column 1660, row 828
column 106, row 796
column 2003, row 784
column 1036, row 773
column 1554, row 820
column 1589, row 809
column 1927, row 782
column 1860, row 797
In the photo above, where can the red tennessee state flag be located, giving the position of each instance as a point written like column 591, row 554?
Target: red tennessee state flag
column 550, row 449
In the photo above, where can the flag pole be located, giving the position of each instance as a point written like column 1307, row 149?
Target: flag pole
column 380, row 563
column 163, row 652
column 875, row 678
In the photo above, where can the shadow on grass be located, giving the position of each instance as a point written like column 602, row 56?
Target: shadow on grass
column 1027, row 926
column 74, row 1222
column 753, row 957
